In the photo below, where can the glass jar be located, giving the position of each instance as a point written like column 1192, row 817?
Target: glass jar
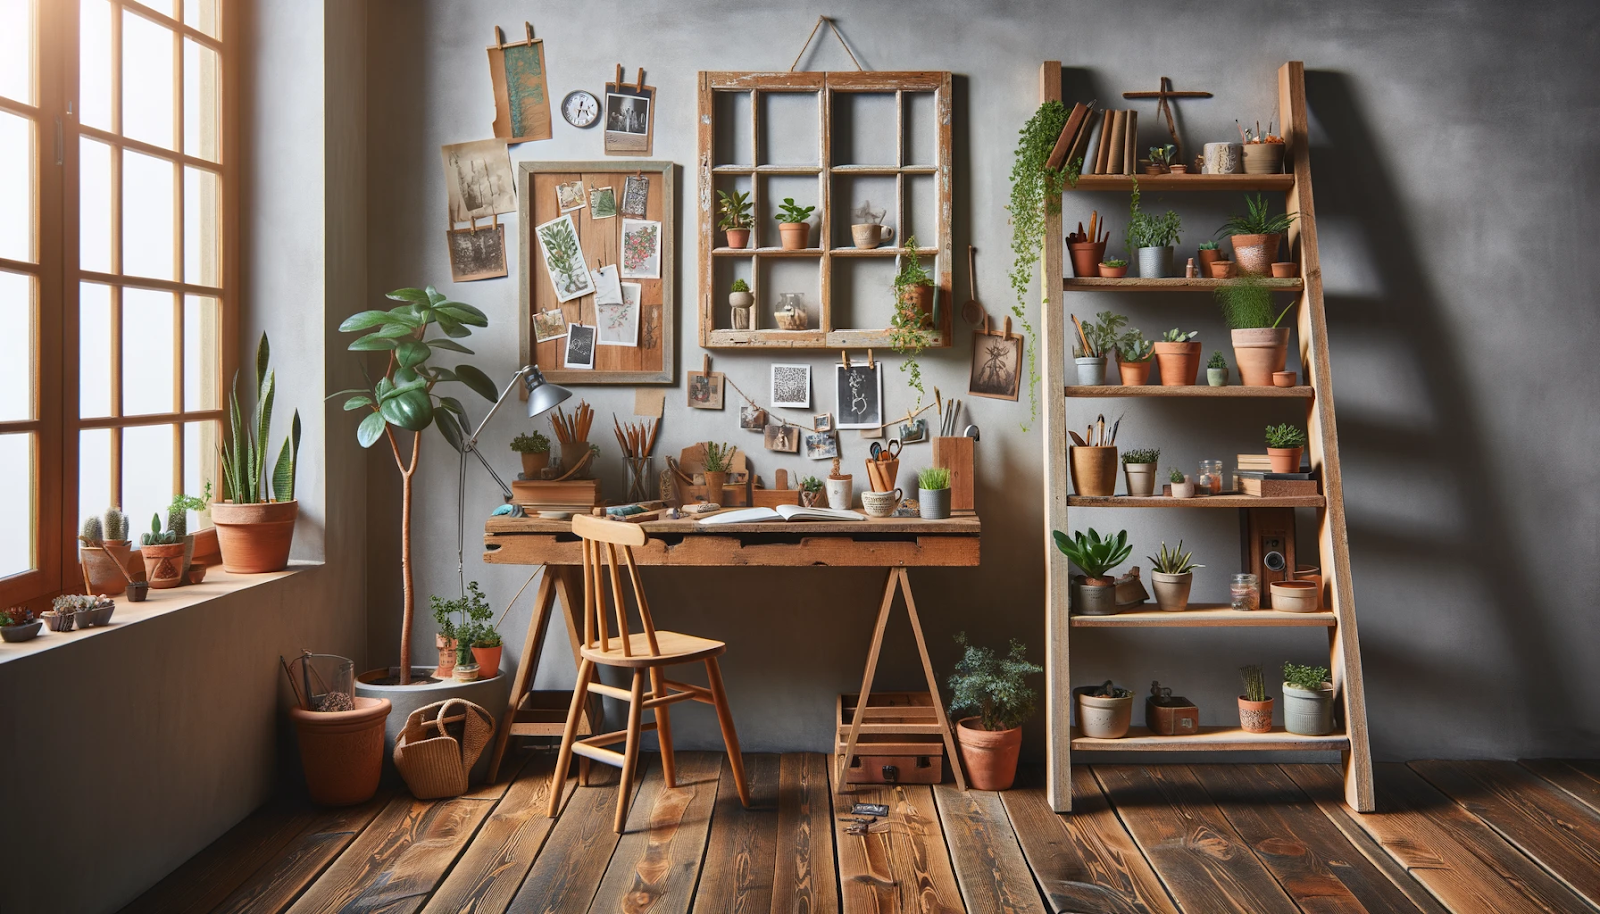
column 641, row 477
column 1244, row 593
column 1209, row 480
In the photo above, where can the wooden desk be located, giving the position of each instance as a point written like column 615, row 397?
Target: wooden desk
column 891, row 543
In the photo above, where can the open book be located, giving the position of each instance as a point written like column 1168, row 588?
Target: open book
column 783, row 512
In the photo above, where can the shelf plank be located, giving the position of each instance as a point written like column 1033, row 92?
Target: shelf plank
column 767, row 170
column 1209, row 501
column 1212, row 739
column 887, row 250
column 766, row 252
column 1205, row 615
column 879, row 339
column 884, row 169
column 1169, row 284
column 1184, row 182
column 1189, row 390
column 796, row 339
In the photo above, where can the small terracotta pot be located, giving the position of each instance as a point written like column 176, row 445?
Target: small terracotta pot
column 1283, row 379
column 714, row 483
column 447, row 654
column 1094, row 470
column 1206, row 258
column 1283, row 269
column 1296, row 596
column 1155, row 169
column 102, row 569
column 1222, row 269
column 1110, row 272
column 341, row 752
column 206, row 549
column 740, row 238
column 254, row 538
column 1284, row 459
column 990, row 756
column 196, row 573
column 1255, row 716
column 163, row 565
column 1103, row 718
column 1135, row 374
column 1263, row 158
column 1259, row 351
column 1141, row 479
column 1255, row 253
column 1177, row 169
column 795, row 235
column 919, row 298
column 1086, row 256
column 1180, row 363
column 533, row 463
column 488, row 659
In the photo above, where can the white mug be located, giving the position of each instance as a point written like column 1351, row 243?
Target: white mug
column 869, row 235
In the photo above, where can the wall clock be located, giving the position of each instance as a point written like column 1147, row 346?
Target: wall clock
column 580, row 108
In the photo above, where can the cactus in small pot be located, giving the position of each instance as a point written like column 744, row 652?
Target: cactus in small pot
column 91, row 533
column 114, row 525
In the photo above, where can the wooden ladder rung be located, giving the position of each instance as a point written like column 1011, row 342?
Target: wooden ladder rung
column 608, row 756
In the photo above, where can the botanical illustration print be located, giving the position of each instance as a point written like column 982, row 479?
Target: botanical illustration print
column 996, row 364
column 563, row 259
column 525, row 91
column 619, row 322
column 635, row 196
column 791, row 386
column 641, row 249
column 602, row 202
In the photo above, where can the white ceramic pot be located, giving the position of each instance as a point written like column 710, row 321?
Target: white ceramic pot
column 492, row 694
column 839, row 493
column 1103, row 718
column 1141, row 478
column 1183, row 489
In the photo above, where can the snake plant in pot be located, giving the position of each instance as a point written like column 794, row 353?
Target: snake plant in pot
column 255, row 519
column 994, row 691
column 1094, row 593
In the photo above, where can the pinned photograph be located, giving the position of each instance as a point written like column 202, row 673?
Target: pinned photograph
column 607, row 289
column 791, row 386
column 619, row 321
column 858, row 395
column 478, row 176
column 563, row 258
column 822, row 422
column 602, row 202
column 705, row 390
column 641, row 249
column 752, row 418
column 580, row 347
column 914, row 431
column 628, row 114
column 569, row 196
column 477, row 253
column 549, row 325
column 996, row 365
column 635, row 196
column 821, row 446
column 785, row 438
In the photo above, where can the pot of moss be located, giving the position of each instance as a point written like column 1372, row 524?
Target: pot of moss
column 1255, row 705
column 1115, row 268
column 1307, row 700
column 1284, row 445
column 1093, row 593
column 793, row 229
column 1104, row 711
column 733, row 217
column 1152, row 236
column 535, row 451
column 994, row 692
column 1171, row 577
column 741, row 305
column 1139, row 466
column 933, row 493
column 1217, row 370
column 1257, row 235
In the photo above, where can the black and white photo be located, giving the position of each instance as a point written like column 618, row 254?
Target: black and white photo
column 858, row 396
column 477, row 253
column 752, row 418
column 791, row 386
column 627, row 114
column 785, row 438
column 580, row 346
column 821, row 445
column 478, row 176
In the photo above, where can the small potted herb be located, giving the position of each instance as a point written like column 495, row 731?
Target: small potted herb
column 810, row 491
column 1094, row 340
column 1256, row 235
column 462, row 622
column 1114, row 268
column 1178, row 354
column 1260, row 344
column 1255, row 705
column 1307, row 700
column 1133, row 359
column 1139, row 466
column 1153, row 237
column 1208, row 255
column 718, row 461
column 486, row 648
column 535, row 451
column 1284, row 445
column 1181, row 486
column 741, row 304
column 1104, row 711
column 933, row 493
column 1161, row 159
column 733, row 217
column 994, row 692
column 793, row 228
column 1217, row 370
column 18, row 624
column 1171, row 576
column 1094, row 593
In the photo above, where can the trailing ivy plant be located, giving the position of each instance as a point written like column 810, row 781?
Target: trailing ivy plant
column 906, row 333
column 1035, row 193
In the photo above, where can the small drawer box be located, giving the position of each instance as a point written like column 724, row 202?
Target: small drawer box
column 1171, row 716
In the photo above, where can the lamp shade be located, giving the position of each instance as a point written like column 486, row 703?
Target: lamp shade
column 542, row 395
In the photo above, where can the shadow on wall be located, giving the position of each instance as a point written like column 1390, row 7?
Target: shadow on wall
column 1492, row 597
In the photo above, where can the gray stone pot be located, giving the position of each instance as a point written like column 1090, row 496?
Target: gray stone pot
column 1155, row 263
column 1308, row 713
column 1217, row 377
column 1091, row 371
column 1092, row 599
column 490, row 694
column 1172, row 590
column 934, row 503
column 1102, row 718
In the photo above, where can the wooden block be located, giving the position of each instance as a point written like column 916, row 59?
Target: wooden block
column 955, row 454
column 771, row 498
column 1274, row 488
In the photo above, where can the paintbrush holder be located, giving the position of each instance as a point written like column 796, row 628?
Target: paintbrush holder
column 1094, row 470
column 641, row 478
column 881, row 474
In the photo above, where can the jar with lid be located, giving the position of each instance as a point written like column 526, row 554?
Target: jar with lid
column 1244, row 592
column 1209, row 480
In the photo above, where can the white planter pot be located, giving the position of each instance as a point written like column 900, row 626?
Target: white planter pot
column 492, row 694
column 1141, row 478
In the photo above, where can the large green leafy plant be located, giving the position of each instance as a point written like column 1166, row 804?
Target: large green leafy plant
column 993, row 688
column 244, row 452
column 403, row 397
column 1094, row 555
column 1035, row 193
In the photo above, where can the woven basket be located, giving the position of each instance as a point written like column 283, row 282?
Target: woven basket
column 436, row 751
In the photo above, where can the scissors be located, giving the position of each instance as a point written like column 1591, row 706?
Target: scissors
column 892, row 452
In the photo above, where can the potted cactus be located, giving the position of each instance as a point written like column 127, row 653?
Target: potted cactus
column 1284, row 445
column 1094, row 593
column 1104, row 711
column 164, row 566
column 994, row 692
column 1139, row 466
column 1256, row 235
column 1181, row 485
column 1255, row 705
column 255, row 525
column 535, row 451
column 1178, row 354
column 1217, row 370
column 1171, row 576
column 793, row 229
column 1307, row 700
column 741, row 304
column 733, row 217
column 103, row 549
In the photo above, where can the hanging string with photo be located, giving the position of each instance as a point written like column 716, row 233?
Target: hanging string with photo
column 910, row 415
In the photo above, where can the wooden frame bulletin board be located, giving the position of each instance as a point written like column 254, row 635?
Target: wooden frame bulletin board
column 652, row 360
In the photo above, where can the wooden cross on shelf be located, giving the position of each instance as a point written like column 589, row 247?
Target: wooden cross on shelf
column 1165, row 92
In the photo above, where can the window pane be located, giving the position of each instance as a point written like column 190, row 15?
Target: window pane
column 164, row 7
column 147, row 356
column 16, row 349
column 94, row 205
column 16, row 187
column 202, row 101
column 148, row 196
column 94, row 63
column 16, row 53
column 200, row 464
column 147, row 463
column 16, row 492
column 202, row 199
column 94, row 350
column 202, row 321
column 147, row 80
column 203, row 15
column 94, row 472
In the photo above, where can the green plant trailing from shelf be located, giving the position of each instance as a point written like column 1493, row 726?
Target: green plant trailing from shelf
column 1246, row 303
column 1172, row 561
column 789, row 212
column 156, row 537
column 1217, row 361
column 907, row 335
column 1133, row 347
column 1257, row 219
column 1140, row 455
column 733, row 210
column 244, row 454
column 1179, row 336
column 1175, row 475
column 992, row 688
column 1102, row 334
column 1147, row 231
column 1094, row 555
column 1285, row 436
column 739, row 285
column 933, row 478
column 1255, row 685
column 1309, row 678
column 1035, row 193
column 719, row 457
column 535, row 443
column 811, row 484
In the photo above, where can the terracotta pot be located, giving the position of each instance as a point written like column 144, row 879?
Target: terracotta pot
column 1086, row 256
column 1102, row 718
column 195, row 573
column 255, row 538
column 1259, row 351
column 532, row 464
column 1172, row 590
column 1177, row 169
column 990, row 756
column 1155, row 170
column 1283, row 379
column 1283, row 269
column 1206, row 259
column 1109, row 272
column 1180, row 363
column 488, row 659
column 714, row 483
column 919, row 299
column 447, row 654
column 1094, row 470
column 1263, row 158
column 740, row 238
column 207, row 551
column 1255, row 253
column 1141, row 479
column 163, row 565
column 794, row 235
column 1135, row 374
column 341, row 752
column 1284, row 459
column 102, row 570
column 1296, row 596
column 133, row 563
column 1255, row 716
column 1222, row 269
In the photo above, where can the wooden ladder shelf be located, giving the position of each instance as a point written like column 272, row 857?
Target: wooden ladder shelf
column 1322, row 448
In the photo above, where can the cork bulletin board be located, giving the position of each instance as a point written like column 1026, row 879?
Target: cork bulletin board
column 600, row 237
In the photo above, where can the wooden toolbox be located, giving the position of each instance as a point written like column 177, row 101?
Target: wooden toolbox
column 899, row 743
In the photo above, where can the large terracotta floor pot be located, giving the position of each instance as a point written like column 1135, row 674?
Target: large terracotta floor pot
column 342, row 751
column 990, row 756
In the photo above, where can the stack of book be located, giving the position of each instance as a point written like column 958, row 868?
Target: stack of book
column 576, row 495
column 1254, row 462
column 1107, row 142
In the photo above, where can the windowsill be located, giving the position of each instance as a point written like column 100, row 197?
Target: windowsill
column 218, row 584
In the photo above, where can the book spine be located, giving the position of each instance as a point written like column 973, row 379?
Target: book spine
column 1130, row 164
column 1114, row 150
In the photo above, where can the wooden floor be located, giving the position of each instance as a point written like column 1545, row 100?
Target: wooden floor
column 1500, row 837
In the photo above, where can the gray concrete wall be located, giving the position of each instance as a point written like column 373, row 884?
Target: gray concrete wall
column 1453, row 201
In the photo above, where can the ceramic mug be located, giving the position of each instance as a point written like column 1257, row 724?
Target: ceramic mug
column 869, row 235
column 838, row 492
column 1223, row 158
column 881, row 504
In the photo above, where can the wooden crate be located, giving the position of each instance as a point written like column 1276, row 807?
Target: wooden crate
column 901, row 729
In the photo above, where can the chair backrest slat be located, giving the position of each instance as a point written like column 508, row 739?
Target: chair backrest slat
column 597, row 534
column 616, row 596
column 644, row 605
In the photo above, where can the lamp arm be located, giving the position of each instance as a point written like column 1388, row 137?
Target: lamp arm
column 471, row 444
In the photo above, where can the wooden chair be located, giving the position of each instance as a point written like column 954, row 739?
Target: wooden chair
column 644, row 653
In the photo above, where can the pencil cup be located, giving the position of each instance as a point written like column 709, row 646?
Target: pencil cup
column 641, row 477
column 1094, row 470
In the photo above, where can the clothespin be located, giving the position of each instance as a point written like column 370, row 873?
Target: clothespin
column 705, row 366
column 869, row 358
column 640, row 87
column 844, row 358
column 1007, row 333
column 499, row 37
column 529, row 26
column 619, row 76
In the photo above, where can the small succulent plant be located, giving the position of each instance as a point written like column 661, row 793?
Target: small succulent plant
column 1285, row 436
column 1172, row 561
column 156, row 537
column 1179, row 336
